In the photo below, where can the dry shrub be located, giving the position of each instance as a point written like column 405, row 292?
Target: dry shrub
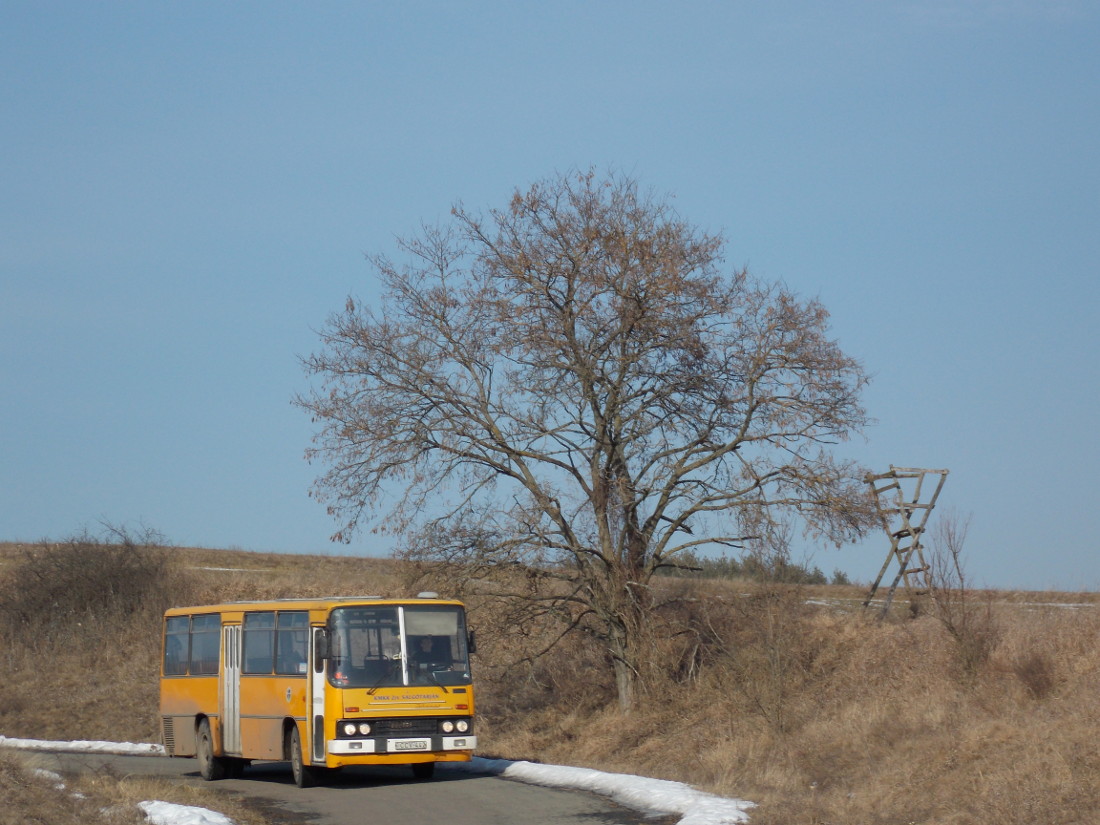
column 771, row 658
column 535, row 685
column 76, row 615
column 689, row 634
column 970, row 620
column 967, row 614
column 571, row 674
column 58, row 591
column 1035, row 672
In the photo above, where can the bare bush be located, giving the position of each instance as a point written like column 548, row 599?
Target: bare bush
column 87, row 580
column 966, row 614
column 772, row 660
column 690, row 635
column 1035, row 670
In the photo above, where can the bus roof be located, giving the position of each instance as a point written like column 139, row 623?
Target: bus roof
column 320, row 603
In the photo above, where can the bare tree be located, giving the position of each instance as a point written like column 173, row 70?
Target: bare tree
column 572, row 386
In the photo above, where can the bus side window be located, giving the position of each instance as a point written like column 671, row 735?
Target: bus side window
column 175, row 646
column 259, row 642
column 291, row 642
column 206, row 637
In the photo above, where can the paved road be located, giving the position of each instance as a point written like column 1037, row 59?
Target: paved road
column 358, row 795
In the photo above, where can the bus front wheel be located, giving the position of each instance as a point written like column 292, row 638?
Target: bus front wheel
column 210, row 767
column 304, row 775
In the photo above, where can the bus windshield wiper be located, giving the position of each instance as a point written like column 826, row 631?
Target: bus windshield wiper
column 385, row 675
column 436, row 681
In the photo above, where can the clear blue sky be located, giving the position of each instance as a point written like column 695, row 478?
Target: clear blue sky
column 187, row 190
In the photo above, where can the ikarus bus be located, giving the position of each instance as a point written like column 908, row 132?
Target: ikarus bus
column 321, row 683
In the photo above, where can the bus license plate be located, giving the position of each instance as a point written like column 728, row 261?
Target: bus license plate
column 410, row 744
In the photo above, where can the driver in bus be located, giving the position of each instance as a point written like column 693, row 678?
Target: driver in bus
column 424, row 656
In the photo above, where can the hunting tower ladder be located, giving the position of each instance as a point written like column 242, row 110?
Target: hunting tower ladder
column 903, row 516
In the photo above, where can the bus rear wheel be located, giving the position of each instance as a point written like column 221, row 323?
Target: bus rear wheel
column 210, row 767
column 304, row 775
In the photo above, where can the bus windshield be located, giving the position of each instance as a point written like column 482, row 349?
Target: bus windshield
column 398, row 645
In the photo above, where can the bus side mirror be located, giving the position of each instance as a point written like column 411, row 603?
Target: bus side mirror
column 471, row 642
column 321, row 650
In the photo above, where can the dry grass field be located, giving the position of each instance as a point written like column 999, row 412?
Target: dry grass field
column 792, row 697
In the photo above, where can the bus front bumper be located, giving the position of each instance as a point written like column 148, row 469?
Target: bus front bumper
column 413, row 745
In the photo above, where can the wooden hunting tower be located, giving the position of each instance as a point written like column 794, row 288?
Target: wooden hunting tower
column 903, row 516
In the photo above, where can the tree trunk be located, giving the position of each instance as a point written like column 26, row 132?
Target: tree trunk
column 621, row 647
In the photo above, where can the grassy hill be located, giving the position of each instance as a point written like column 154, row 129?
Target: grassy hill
column 791, row 696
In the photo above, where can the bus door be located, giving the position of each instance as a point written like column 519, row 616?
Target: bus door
column 231, row 690
column 315, row 721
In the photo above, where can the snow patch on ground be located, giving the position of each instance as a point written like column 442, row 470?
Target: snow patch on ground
column 168, row 813
column 659, row 797
column 84, row 746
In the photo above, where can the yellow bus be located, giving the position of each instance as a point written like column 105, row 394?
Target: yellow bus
column 321, row 683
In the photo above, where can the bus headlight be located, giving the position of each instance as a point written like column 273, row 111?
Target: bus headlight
column 364, row 728
column 349, row 729
column 447, row 726
column 462, row 725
